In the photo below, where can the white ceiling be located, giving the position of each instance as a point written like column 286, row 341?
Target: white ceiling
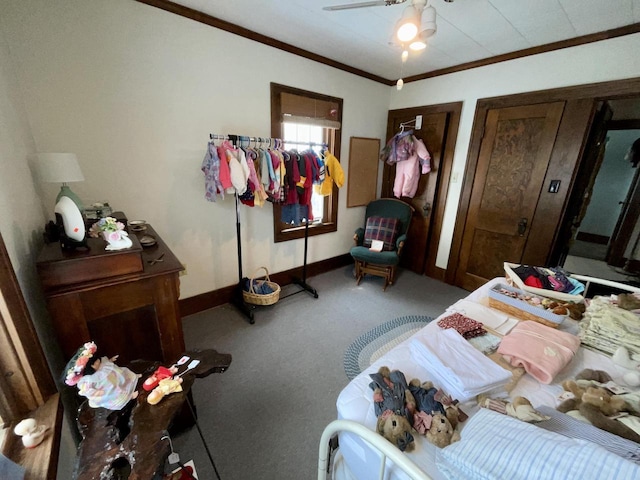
column 468, row 30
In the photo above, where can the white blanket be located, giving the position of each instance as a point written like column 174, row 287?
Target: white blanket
column 448, row 358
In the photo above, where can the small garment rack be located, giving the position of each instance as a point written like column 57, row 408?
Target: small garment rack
column 238, row 299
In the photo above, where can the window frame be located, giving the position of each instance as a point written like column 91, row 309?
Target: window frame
column 27, row 387
column 281, row 231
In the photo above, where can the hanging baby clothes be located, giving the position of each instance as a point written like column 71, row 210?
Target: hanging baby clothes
column 411, row 158
column 408, row 171
column 399, row 148
column 333, row 173
column 211, row 169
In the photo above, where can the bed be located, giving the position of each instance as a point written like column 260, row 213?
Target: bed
column 492, row 445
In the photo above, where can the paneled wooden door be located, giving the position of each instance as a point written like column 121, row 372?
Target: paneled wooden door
column 432, row 133
column 510, row 171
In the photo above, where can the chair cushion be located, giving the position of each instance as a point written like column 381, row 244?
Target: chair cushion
column 384, row 229
column 378, row 258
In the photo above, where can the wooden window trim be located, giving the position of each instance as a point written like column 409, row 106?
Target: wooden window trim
column 27, row 388
column 282, row 233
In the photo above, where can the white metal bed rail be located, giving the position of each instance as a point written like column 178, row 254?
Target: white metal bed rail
column 387, row 449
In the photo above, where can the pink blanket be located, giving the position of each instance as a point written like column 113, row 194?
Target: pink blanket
column 542, row 351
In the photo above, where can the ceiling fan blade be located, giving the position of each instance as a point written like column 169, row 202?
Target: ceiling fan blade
column 375, row 3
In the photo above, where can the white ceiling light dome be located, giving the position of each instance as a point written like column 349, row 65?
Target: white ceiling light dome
column 409, row 25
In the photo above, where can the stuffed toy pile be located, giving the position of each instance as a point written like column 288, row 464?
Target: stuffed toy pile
column 406, row 408
column 597, row 405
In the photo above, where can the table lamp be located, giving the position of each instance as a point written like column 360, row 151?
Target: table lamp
column 64, row 168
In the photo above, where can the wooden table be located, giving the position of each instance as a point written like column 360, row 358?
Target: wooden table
column 121, row 300
column 128, row 443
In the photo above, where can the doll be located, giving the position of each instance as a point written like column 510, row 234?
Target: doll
column 104, row 383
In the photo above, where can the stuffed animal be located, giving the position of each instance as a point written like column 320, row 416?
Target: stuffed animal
column 519, row 408
column 437, row 416
column 441, row 433
column 597, row 404
column 394, row 406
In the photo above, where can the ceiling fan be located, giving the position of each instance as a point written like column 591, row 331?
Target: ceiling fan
column 375, row 3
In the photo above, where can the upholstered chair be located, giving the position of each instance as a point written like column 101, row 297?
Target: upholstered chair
column 378, row 245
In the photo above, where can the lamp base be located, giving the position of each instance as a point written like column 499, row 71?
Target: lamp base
column 67, row 243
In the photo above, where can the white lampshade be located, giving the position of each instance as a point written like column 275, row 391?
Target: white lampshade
column 58, row 167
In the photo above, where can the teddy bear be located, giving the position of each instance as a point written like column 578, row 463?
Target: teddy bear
column 404, row 408
column 597, row 404
column 394, row 406
column 437, row 414
column 441, row 432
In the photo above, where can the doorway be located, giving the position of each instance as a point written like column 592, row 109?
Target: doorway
column 549, row 232
column 438, row 131
column 604, row 237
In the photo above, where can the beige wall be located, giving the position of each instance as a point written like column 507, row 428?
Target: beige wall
column 613, row 59
column 135, row 92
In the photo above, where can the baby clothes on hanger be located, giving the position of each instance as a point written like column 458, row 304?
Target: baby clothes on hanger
column 211, row 169
column 408, row 171
column 333, row 173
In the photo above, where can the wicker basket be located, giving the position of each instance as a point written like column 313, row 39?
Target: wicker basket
column 258, row 299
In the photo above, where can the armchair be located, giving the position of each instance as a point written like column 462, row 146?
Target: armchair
column 386, row 220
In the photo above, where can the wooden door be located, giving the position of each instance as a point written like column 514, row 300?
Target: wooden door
column 432, row 133
column 512, row 162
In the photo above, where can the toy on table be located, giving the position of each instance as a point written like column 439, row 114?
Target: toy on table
column 599, row 406
column 519, row 408
column 100, row 380
column 394, row 406
column 160, row 374
column 403, row 409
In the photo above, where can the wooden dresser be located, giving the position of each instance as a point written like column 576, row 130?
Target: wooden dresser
column 122, row 300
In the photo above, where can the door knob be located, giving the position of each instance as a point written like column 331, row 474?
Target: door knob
column 426, row 208
column 522, row 226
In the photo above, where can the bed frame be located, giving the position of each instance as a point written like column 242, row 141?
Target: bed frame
column 386, row 448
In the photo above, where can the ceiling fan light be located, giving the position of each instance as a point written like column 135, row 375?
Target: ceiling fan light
column 429, row 29
column 429, row 14
column 408, row 26
column 418, row 44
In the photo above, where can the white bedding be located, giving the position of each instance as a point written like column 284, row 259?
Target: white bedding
column 358, row 461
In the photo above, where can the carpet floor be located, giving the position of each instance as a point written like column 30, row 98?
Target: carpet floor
column 263, row 418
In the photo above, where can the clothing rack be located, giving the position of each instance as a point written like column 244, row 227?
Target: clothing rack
column 238, row 299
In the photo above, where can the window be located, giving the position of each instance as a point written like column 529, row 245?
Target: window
column 26, row 384
column 303, row 116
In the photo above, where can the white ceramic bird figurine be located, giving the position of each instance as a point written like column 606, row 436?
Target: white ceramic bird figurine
column 32, row 434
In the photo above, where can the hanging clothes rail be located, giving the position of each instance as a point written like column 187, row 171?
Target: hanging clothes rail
column 265, row 140
column 301, row 282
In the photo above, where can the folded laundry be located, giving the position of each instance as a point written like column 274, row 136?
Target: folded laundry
column 447, row 356
column 542, row 351
column 465, row 326
column 496, row 320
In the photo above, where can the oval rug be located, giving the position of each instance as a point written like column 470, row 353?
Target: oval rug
column 370, row 346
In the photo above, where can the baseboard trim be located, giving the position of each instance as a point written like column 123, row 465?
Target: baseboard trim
column 593, row 238
column 204, row 301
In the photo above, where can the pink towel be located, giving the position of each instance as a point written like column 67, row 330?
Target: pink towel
column 542, row 351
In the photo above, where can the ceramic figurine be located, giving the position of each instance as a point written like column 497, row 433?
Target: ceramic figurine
column 32, row 434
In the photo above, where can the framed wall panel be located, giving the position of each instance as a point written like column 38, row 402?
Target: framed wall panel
column 363, row 170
